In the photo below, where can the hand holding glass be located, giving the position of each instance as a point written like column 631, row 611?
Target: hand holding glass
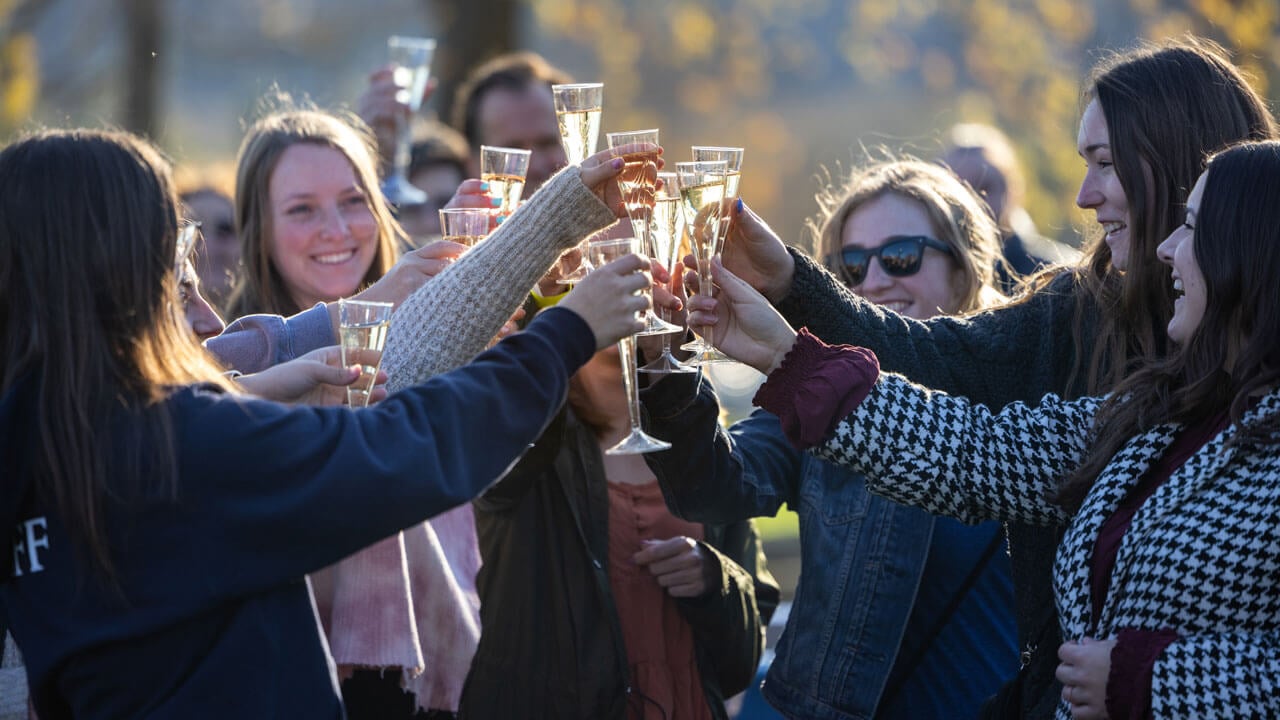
column 637, row 441
column 363, row 327
column 638, row 182
column 411, row 57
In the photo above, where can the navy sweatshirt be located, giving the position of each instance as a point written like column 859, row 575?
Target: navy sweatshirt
column 216, row 619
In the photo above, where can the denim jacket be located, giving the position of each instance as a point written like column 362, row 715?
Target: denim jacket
column 861, row 554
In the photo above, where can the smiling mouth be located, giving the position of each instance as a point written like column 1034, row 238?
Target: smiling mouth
column 1112, row 228
column 335, row 258
column 898, row 306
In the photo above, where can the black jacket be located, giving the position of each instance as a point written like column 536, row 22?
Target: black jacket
column 551, row 644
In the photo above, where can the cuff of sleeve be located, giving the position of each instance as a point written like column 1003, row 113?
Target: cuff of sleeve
column 816, row 386
column 1133, row 661
column 569, row 332
column 548, row 301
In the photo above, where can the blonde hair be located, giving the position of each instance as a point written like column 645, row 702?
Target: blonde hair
column 261, row 288
column 955, row 213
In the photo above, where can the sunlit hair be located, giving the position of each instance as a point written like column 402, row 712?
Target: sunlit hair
column 1167, row 107
column 261, row 287
column 90, row 320
column 955, row 214
column 512, row 71
column 1235, row 351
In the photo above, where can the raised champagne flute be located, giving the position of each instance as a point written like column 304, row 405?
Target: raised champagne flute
column 411, row 57
column 505, row 170
column 578, row 110
column 464, row 225
column 702, row 197
column 638, row 182
column 637, row 441
column 362, row 326
column 669, row 247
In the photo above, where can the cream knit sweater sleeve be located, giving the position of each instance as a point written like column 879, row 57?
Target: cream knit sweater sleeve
column 451, row 318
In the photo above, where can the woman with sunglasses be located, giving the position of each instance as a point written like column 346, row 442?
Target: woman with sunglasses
column 1151, row 116
column 898, row 613
column 1168, row 488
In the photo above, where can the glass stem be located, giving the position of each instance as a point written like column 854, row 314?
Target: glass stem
column 627, row 351
column 705, row 288
column 665, row 314
column 400, row 159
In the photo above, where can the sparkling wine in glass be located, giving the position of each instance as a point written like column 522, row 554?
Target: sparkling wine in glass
column 578, row 109
column 638, row 182
column 702, row 193
column 669, row 248
column 732, row 157
column 505, row 170
column 362, row 327
column 637, row 441
column 411, row 57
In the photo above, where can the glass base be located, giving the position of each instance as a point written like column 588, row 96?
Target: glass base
column 654, row 325
column 703, row 353
column 400, row 192
column 666, row 364
column 636, row 443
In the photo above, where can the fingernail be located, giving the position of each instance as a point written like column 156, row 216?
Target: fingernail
column 495, row 202
column 739, row 204
column 484, row 187
column 500, row 219
column 616, row 163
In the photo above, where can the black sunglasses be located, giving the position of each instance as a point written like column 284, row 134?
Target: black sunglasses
column 900, row 256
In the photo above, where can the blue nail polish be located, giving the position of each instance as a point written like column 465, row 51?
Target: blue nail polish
column 739, row 206
column 496, row 202
column 500, row 219
column 484, row 187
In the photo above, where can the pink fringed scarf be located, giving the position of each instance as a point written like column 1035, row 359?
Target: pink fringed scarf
column 409, row 602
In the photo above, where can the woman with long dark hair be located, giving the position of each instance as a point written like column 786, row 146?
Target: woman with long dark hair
column 164, row 523
column 1168, row 488
column 1151, row 116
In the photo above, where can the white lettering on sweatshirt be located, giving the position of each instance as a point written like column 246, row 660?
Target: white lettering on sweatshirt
column 32, row 536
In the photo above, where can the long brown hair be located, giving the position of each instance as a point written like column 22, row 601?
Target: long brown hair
column 1235, row 351
column 90, row 321
column 261, row 289
column 956, row 214
column 1167, row 108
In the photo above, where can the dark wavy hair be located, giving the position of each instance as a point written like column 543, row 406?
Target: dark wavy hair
column 1167, row 107
column 1234, row 353
column 89, row 320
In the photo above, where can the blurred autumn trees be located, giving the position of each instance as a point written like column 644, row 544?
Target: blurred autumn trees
column 802, row 84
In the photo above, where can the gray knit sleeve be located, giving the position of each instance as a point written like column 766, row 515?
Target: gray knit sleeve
column 451, row 318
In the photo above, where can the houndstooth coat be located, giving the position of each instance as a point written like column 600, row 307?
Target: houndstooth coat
column 1202, row 555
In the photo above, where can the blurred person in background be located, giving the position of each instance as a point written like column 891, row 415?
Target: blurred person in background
column 983, row 157
column 898, row 613
column 437, row 165
column 206, row 199
column 507, row 102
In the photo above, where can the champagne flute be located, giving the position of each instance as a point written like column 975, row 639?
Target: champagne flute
column 669, row 247
column 702, row 196
column 578, row 110
column 363, row 327
column 732, row 157
column 505, row 170
column 464, row 225
column 637, row 441
column 637, row 182
column 412, row 59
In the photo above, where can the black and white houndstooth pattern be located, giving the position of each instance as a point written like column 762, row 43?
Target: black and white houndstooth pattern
column 1202, row 555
